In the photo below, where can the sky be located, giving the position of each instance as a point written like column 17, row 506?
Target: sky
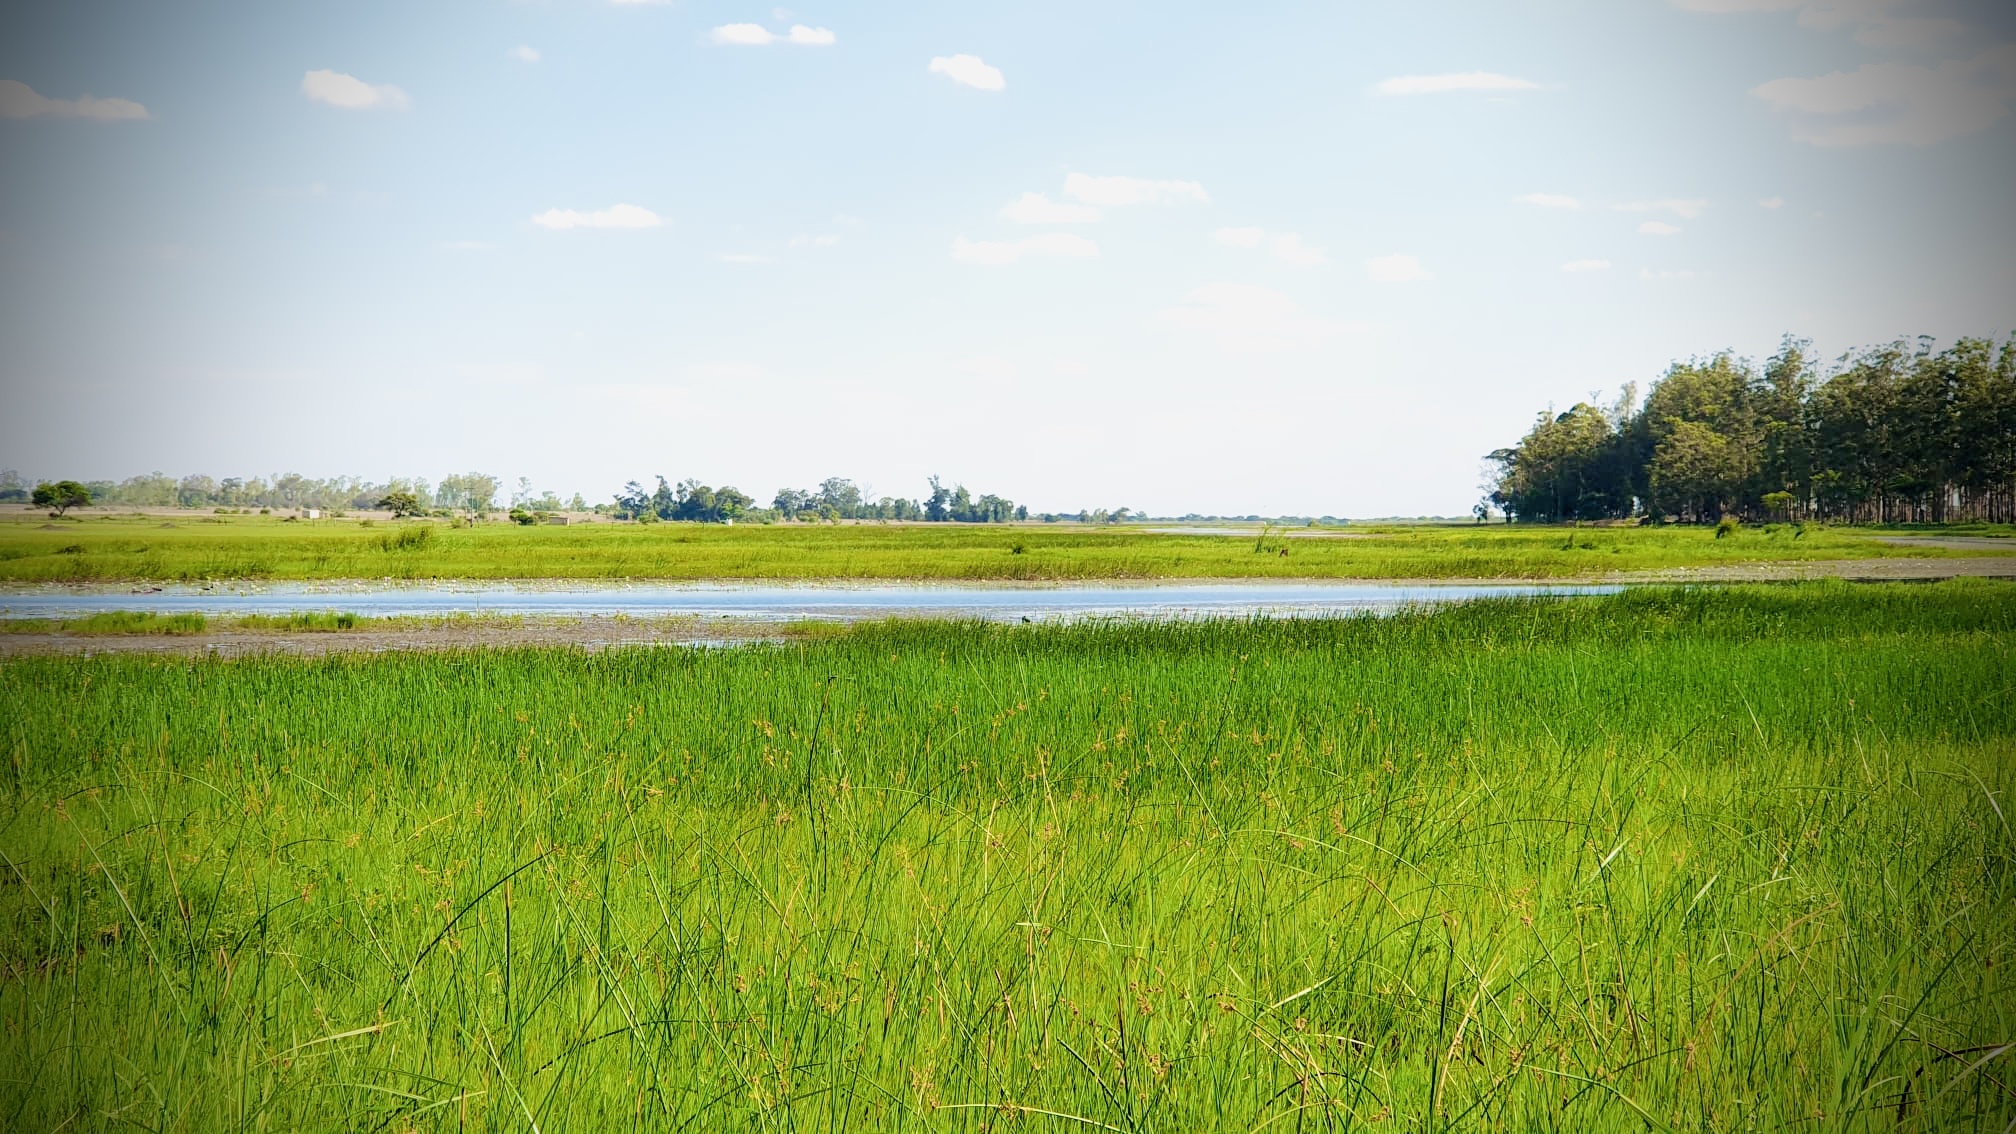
column 1179, row 257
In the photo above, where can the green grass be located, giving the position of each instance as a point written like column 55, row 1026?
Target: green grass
column 132, row 622
column 110, row 623
column 1682, row 859
column 115, row 549
column 318, row 621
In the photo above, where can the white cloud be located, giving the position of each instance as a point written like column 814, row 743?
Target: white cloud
column 824, row 240
column 969, row 70
column 1246, row 317
column 756, row 35
column 524, row 54
column 1396, row 269
column 1055, row 244
column 615, row 216
column 1771, row 202
column 1465, row 81
column 744, row 35
column 351, row 92
column 743, row 258
column 1686, row 208
column 1038, row 208
column 1551, row 201
column 1658, row 228
column 1586, row 266
column 1897, row 103
column 1288, row 248
column 991, row 368
column 1133, row 191
column 18, row 100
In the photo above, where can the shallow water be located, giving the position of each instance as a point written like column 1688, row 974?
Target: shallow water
column 834, row 601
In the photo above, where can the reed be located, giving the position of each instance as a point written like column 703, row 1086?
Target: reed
column 1687, row 860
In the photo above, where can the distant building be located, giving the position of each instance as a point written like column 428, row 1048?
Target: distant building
column 312, row 513
column 561, row 520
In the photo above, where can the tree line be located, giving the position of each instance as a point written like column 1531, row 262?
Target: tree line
column 475, row 493
column 460, row 492
column 836, row 498
column 1904, row 432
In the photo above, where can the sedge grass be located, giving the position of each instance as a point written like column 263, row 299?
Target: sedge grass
column 114, row 549
column 1680, row 860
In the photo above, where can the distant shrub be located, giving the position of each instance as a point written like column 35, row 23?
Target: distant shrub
column 1729, row 526
column 136, row 622
column 316, row 621
column 412, row 537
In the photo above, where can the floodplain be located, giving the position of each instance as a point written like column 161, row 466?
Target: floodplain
column 126, row 547
column 1676, row 858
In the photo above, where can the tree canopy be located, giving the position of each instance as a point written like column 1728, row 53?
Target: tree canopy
column 61, row 496
column 1903, row 432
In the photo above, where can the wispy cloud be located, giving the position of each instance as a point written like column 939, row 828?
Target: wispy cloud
column 352, row 93
column 1463, row 81
column 1686, row 208
column 969, row 70
column 1051, row 245
column 1659, row 228
column 1119, row 191
column 1771, row 203
column 18, row 100
column 1247, row 317
column 1586, row 266
column 743, row 258
column 615, row 216
column 1897, row 103
column 1396, row 269
column 1874, row 23
column 808, row 240
column 756, row 35
column 1038, row 208
column 1287, row 247
column 524, row 54
column 1551, row 201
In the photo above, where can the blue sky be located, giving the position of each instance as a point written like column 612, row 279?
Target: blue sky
column 1179, row 257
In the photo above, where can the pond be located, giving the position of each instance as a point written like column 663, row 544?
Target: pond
column 773, row 602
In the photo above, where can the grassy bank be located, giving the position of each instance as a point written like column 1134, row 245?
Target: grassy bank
column 142, row 623
column 1673, row 859
column 106, row 549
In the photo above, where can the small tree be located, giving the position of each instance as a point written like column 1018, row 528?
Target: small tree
column 61, row 496
column 402, row 504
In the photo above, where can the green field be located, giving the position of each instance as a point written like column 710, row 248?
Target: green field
column 1673, row 859
column 106, row 549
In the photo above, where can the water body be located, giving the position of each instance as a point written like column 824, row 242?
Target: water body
column 773, row 602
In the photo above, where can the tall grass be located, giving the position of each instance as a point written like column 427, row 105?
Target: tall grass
column 1682, row 860
column 105, row 550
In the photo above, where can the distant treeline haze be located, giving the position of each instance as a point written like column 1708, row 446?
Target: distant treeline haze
column 1900, row 433
column 836, row 498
